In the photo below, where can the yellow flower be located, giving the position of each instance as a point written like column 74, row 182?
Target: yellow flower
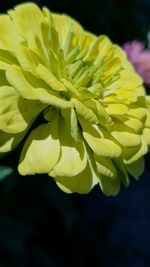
column 73, row 99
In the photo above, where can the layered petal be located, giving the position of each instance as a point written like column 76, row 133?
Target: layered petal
column 72, row 101
column 41, row 150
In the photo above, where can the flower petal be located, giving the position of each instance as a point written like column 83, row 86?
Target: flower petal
column 44, row 74
column 73, row 156
column 121, row 171
column 136, row 168
column 41, row 150
column 127, row 139
column 8, row 36
column 100, row 145
column 10, row 141
column 71, row 122
column 84, row 112
column 81, row 183
column 17, row 79
column 109, row 187
column 53, row 100
column 26, row 17
column 11, row 120
column 105, row 167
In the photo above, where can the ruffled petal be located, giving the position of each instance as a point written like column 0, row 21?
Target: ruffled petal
column 26, row 17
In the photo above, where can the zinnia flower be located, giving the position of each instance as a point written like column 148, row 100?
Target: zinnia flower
column 140, row 59
column 72, row 99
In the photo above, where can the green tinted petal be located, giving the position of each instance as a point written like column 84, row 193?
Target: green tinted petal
column 121, row 171
column 105, row 167
column 100, row 111
column 136, row 168
column 141, row 151
column 109, row 187
column 71, row 122
column 135, row 124
column 6, row 59
column 9, row 141
column 84, row 112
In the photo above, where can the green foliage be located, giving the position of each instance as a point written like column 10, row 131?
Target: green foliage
column 5, row 171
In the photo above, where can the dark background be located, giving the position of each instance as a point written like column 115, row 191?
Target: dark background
column 42, row 226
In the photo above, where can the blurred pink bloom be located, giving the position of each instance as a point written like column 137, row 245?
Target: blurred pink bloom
column 140, row 59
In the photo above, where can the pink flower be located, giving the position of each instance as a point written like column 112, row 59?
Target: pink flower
column 140, row 59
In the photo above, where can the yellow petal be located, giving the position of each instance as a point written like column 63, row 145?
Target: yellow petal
column 117, row 109
column 26, row 58
column 11, row 119
column 73, row 156
column 8, row 36
column 64, row 24
column 128, row 80
column 26, row 17
column 100, row 145
column 127, row 139
column 41, row 150
column 81, row 183
column 16, row 113
column 50, row 99
column 134, row 124
column 47, row 76
column 104, row 46
column 17, row 79
column 139, row 113
column 146, row 135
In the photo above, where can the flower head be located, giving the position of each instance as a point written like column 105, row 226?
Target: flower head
column 140, row 59
column 74, row 100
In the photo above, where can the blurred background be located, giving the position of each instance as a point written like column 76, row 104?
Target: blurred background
column 42, row 226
